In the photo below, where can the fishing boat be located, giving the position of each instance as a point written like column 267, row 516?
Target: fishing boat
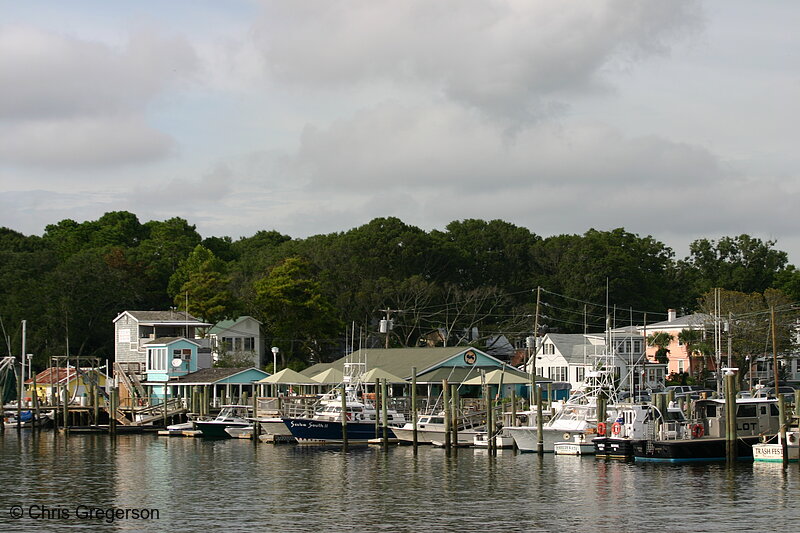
column 702, row 438
column 332, row 415
column 577, row 446
column 577, row 416
column 773, row 452
column 326, row 425
column 229, row 416
column 615, row 437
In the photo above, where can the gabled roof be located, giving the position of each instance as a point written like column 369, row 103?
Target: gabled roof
column 209, row 376
column 52, row 375
column 696, row 320
column 152, row 318
column 224, row 325
column 399, row 361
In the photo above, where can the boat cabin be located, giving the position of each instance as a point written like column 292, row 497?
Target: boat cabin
column 754, row 416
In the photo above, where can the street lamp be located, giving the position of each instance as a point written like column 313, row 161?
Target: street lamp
column 274, row 359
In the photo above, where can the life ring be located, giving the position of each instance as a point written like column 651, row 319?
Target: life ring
column 698, row 431
column 616, row 428
column 601, row 429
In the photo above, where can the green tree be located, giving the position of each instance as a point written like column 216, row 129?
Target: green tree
column 200, row 281
column 743, row 264
column 295, row 312
column 662, row 340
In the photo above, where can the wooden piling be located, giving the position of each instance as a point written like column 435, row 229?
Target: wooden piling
column 513, row 407
column 539, row 422
column 66, row 403
column 730, row 417
column 377, row 407
column 35, row 395
column 447, row 422
column 96, row 404
column 166, row 403
column 454, row 402
column 414, row 418
column 344, row 417
column 112, row 411
column 256, row 423
column 385, row 413
column 782, row 426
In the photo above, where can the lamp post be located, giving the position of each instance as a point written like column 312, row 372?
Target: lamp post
column 274, row 359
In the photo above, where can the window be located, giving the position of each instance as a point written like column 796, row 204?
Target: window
column 185, row 354
column 249, row 344
column 681, row 365
column 637, row 346
column 746, row 411
column 549, row 349
column 580, row 373
column 157, row 359
column 227, row 344
column 558, row 373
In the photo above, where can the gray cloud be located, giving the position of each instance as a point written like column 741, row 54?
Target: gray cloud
column 507, row 59
column 72, row 102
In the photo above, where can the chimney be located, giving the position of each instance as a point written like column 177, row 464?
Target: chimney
column 671, row 315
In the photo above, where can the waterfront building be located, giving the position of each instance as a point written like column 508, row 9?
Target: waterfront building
column 239, row 337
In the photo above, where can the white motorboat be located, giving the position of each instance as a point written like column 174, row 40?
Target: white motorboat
column 772, row 452
column 577, row 446
column 502, row 439
column 431, row 428
column 229, row 416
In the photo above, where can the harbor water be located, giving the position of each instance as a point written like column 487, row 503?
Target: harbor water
column 49, row 482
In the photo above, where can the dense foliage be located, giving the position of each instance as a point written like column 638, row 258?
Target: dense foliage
column 437, row 287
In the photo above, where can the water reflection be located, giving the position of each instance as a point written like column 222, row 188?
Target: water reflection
column 237, row 485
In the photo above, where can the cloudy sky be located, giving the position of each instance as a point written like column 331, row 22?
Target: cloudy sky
column 673, row 119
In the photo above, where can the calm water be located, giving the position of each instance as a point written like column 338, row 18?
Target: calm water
column 233, row 484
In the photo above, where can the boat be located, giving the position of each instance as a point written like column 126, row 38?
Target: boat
column 577, row 446
column 431, row 428
column 703, row 437
column 333, row 412
column 576, row 416
column 615, row 437
column 502, row 439
column 229, row 416
column 325, row 426
column 773, row 452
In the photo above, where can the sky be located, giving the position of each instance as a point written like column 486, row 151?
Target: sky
column 672, row 119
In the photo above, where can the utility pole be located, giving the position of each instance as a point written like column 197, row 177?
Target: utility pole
column 774, row 349
column 386, row 323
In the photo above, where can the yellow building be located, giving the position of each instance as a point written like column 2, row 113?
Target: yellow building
column 49, row 383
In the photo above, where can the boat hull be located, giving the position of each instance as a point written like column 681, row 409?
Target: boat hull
column 691, row 450
column 526, row 438
column 613, row 447
column 429, row 436
column 216, row 430
column 310, row 431
column 773, row 453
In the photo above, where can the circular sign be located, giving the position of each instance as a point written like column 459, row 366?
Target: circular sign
column 470, row 357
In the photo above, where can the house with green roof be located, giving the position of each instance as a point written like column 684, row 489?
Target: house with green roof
column 239, row 337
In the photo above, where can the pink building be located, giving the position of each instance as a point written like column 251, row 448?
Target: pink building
column 678, row 358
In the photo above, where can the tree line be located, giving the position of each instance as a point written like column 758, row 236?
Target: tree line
column 472, row 281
